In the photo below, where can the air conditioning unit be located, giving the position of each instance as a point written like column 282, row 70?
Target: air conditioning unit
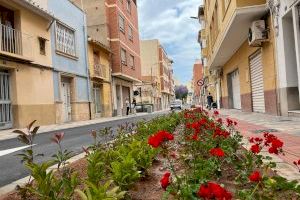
column 257, row 33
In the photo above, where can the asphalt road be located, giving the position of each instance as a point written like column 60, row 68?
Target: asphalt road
column 11, row 169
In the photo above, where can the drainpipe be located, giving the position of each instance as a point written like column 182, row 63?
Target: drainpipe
column 87, row 65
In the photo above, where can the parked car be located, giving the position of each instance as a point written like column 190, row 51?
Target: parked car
column 177, row 104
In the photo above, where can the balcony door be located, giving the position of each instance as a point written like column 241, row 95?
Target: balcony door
column 11, row 39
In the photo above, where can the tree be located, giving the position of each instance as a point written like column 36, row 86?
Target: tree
column 181, row 92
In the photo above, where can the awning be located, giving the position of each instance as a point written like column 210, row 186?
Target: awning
column 126, row 77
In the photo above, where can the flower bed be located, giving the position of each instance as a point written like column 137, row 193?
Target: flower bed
column 211, row 163
column 203, row 159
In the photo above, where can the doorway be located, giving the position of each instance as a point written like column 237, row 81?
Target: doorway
column 234, row 89
column 5, row 101
column 66, row 101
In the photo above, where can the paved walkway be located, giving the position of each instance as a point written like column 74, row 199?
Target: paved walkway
column 285, row 128
column 7, row 134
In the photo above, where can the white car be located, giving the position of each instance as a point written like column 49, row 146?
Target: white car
column 177, row 104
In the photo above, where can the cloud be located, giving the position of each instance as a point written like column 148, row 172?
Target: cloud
column 170, row 22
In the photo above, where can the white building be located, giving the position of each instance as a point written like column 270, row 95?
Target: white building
column 286, row 14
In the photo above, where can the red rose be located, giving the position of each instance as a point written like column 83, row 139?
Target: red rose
column 213, row 191
column 165, row 181
column 204, row 192
column 255, row 176
column 161, row 136
column 216, row 113
column 298, row 162
column 255, row 148
column 218, row 152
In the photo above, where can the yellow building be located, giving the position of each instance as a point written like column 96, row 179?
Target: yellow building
column 238, row 47
column 100, row 73
column 26, row 80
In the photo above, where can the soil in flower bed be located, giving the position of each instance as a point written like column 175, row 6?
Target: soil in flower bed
column 149, row 188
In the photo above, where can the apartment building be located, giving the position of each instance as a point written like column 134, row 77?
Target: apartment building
column 99, row 56
column 285, row 16
column 114, row 23
column 166, row 78
column 26, row 80
column 238, row 47
column 150, row 87
column 197, row 82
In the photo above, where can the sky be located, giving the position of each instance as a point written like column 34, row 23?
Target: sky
column 170, row 22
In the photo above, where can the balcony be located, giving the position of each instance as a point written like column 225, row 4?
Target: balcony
column 14, row 43
column 100, row 71
column 204, row 52
column 233, row 32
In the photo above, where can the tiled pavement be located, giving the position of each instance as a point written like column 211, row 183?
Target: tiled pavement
column 287, row 129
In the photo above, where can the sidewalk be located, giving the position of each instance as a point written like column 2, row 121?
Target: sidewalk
column 7, row 134
column 285, row 128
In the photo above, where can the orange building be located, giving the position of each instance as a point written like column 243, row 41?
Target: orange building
column 197, row 76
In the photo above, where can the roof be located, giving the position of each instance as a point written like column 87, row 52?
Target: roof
column 35, row 7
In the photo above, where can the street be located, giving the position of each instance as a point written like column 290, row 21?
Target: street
column 74, row 139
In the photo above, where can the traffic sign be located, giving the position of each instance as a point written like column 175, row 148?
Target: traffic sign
column 200, row 82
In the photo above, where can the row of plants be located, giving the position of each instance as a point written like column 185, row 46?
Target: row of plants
column 113, row 164
column 207, row 160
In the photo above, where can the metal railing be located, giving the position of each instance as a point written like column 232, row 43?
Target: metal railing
column 15, row 42
column 100, row 71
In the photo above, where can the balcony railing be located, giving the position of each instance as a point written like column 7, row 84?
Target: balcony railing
column 15, row 42
column 100, row 71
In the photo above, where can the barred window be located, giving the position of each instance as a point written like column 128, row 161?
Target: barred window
column 65, row 40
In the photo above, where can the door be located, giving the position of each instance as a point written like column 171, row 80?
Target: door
column 97, row 100
column 257, row 83
column 119, row 100
column 5, row 101
column 66, row 100
column 236, row 92
column 125, row 95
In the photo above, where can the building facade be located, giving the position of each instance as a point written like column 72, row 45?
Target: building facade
column 125, row 44
column 166, row 78
column 285, row 15
column 197, row 81
column 26, row 82
column 241, row 70
column 99, row 54
column 69, row 59
column 150, row 70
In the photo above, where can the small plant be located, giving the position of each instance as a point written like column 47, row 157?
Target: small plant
column 103, row 192
column 125, row 172
column 96, row 167
column 27, row 155
column 61, row 156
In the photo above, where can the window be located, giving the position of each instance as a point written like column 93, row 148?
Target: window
column 65, row 40
column 128, row 6
column 122, row 23
column 131, row 61
column 130, row 34
column 123, row 56
column 42, row 43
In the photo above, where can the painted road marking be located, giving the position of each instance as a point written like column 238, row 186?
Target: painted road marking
column 9, row 151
